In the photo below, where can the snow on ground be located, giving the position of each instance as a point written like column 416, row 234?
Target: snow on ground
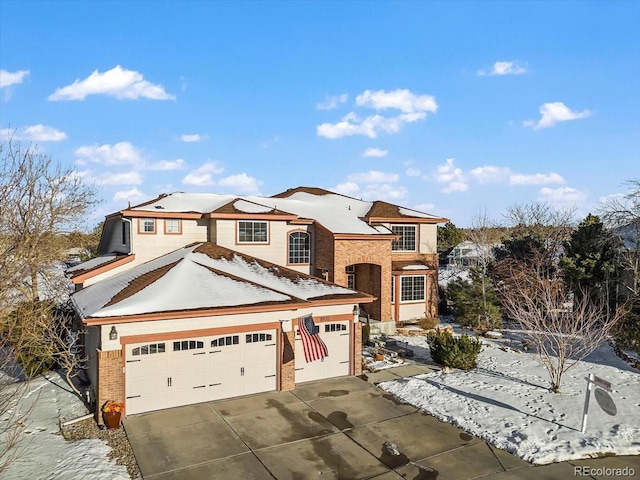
column 44, row 453
column 506, row 401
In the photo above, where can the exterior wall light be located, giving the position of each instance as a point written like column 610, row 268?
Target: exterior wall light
column 113, row 334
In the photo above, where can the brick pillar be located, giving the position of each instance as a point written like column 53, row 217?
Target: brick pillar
column 287, row 369
column 110, row 379
column 357, row 353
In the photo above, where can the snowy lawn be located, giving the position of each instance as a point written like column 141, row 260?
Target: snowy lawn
column 506, row 401
column 44, row 454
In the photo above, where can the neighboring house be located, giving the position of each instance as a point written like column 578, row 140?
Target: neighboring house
column 195, row 297
column 468, row 254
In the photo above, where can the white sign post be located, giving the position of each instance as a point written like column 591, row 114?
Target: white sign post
column 604, row 400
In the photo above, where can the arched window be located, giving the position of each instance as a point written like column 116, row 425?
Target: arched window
column 299, row 248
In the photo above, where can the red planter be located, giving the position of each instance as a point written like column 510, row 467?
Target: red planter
column 111, row 420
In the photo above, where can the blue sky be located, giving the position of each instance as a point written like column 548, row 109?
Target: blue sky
column 454, row 108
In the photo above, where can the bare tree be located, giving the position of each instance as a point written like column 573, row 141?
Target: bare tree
column 484, row 236
column 622, row 214
column 564, row 328
column 39, row 202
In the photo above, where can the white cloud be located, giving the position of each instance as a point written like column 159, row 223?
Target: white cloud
column 536, row 179
column 401, row 99
column 378, row 191
column 126, row 178
column 203, row 176
column 132, row 195
column 332, row 101
column 12, row 78
column 391, row 193
column 370, row 126
column 451, row 175
column 503, row 68
column 194, row 137
column 373, row 176
column 121, row 153
column 490, row 174
column 177, row 164
column 34, row 133
column 347, row 188
column 374, row 152
column 553, row 113
column 425, row 207
column 563, row 197
column 412, row 172
column 241, row 182
column 117, row 82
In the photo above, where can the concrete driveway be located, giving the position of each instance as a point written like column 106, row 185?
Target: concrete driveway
column 330, row 429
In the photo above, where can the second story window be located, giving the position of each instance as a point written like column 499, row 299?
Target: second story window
column 172, row 226
column 299, row 248
column 407, row 240
column 147, row 225
column 253, row 232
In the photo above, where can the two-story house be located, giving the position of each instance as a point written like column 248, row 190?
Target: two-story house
column 195, row 297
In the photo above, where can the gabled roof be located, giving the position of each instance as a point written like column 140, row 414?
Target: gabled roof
column 205, row 277
column 337, row 213
column 383, row 212
column 94, row 266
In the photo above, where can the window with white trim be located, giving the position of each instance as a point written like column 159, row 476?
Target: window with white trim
column 228, row 340
column 299, row 248
column 334, row 327
column 258, row 337
column 412, row 288
column 148, row 349
column 147, row 225
column 393, row 288
column 407, row 240
column 351, row 276
column 172, row 225
column 187, row 345
column 253, row 232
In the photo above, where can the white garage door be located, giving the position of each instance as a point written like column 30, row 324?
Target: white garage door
column 180, row 372
column 336, row 338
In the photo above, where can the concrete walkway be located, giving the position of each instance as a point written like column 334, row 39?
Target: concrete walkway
column 331, row 429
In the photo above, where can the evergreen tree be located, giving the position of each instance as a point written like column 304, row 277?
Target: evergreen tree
column 475, row 302
column 590, row 259
column 448, row 237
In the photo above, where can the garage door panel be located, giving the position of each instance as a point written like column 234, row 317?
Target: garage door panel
column 336, row 336
column 202, row 369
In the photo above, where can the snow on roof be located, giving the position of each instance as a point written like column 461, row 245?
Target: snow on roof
column 197, row 277
column 94, row 262
column 186, row 202
column 337, row 213
column 415, row 213
column 251, row 207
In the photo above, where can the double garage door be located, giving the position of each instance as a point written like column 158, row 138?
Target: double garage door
column 336, row 337
column 171, row 373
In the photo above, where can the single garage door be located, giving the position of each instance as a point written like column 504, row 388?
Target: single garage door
column 336, row 337
column 192, row 370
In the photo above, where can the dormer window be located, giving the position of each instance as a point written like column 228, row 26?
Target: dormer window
column 253, row 232
column 407, row 240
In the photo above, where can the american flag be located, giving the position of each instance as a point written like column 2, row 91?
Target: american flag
column 313, row 346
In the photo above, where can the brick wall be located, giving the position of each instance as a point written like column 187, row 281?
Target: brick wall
column 287, row 369
column 323, row 252
column 110, row 379
column 377, row 280
column 357, row 357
